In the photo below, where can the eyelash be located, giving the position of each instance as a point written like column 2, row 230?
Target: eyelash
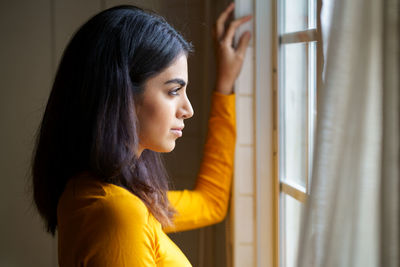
column 174, row 92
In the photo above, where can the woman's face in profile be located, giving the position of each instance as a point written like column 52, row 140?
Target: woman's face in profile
column 163, row 107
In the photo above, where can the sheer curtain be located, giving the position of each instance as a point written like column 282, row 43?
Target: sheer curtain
column 352, row 216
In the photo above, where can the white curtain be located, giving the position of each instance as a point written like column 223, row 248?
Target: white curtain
column 352, row 216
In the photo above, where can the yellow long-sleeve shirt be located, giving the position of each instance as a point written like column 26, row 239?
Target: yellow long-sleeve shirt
column 101, row 224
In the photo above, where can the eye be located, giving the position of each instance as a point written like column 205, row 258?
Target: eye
column 174, row 92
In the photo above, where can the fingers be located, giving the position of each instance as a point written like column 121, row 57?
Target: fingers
column 220, row 24
column 233, row 26
column 243, row 43
column 225, row 36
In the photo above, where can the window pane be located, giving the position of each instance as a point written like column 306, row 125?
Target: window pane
column 291, row 222
column 293, row 115
column 295, row 14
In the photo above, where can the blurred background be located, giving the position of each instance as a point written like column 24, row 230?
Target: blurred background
column 34, row 35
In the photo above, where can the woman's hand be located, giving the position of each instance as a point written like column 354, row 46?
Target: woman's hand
column 229, row 58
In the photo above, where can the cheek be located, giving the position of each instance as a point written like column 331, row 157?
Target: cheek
column 155, row 118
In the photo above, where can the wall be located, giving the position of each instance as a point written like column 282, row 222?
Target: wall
column 34, row 34
column 25, row 69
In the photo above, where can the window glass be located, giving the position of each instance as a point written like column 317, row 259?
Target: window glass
column 292, row 216
column 295, row 15
column 293, row 114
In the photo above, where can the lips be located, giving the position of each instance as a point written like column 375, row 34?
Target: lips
column 177, row 131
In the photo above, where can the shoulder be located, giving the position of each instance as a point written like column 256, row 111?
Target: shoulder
column 87, row 197
column 122, row 206
column 100, row 222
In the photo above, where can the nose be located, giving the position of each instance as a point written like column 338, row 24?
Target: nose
column 186, row 111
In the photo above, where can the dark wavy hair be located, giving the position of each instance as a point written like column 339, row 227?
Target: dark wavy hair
column 90, row 125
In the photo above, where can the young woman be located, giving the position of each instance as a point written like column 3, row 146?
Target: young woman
column 118, row 100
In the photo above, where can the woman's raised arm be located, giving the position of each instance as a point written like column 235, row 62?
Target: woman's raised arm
column 208, row 202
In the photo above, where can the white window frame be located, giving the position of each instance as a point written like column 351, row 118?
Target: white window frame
column 266, row 126
column 255, row 110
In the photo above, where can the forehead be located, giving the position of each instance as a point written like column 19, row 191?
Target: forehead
column 178, row 69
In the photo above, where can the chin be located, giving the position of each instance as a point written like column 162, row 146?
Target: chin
column 170, row 149
column 165, row 149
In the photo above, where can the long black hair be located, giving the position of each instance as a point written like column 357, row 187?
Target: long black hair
column 90, row 125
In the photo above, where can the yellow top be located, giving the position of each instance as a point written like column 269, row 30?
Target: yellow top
column 101, row 224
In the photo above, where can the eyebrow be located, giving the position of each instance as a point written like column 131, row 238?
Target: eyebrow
column 176, row 80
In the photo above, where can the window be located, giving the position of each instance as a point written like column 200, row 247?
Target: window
column 276, row 104
column 296, row 23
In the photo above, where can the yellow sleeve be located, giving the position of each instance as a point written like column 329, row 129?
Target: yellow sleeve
column 113, row 231
column 208, row 202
